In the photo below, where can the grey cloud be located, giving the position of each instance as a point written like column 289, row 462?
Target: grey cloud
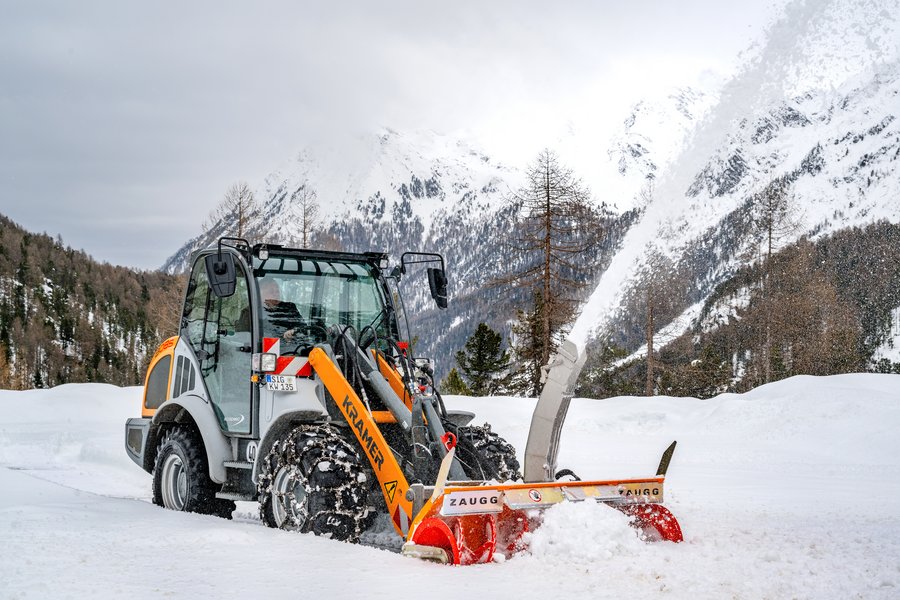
column 121, row 124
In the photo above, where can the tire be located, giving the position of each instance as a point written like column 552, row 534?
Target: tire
column 181, row 476
column 485, row 455
column 314, row 480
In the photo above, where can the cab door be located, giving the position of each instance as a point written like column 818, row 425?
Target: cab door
column 218, row 330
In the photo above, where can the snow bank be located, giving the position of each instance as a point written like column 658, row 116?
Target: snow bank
column 787, row 491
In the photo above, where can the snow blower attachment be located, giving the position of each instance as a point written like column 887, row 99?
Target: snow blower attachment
column 468, row 522
column 289, row 385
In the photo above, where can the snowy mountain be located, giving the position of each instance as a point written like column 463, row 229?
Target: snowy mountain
column 412, row 181
column 652, row 135
column 818, row 105
column 397, row 191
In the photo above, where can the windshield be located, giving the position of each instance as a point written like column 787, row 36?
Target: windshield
column 308, row 296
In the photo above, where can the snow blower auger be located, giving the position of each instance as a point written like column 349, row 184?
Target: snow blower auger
column 289, row 385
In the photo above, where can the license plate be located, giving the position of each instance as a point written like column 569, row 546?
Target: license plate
column 281, row 383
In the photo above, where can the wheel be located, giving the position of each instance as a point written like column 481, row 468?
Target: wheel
column 181, row 476
column 314, row 480
column 485, row 455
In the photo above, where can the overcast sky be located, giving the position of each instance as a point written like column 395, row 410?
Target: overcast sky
column 122, row 123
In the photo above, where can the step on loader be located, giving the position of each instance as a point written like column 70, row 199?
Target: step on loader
column 290, row 384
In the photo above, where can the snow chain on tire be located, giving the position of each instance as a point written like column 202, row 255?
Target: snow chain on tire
column 486, row 455
column 320, row 482
column 181, row 447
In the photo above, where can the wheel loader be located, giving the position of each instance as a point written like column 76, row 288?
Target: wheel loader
column 292, row 383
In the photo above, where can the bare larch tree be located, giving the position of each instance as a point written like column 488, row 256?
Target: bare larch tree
column 557, row 223
column 660, row 285
column 232, row 215
column 306, row 207
column 774, row 216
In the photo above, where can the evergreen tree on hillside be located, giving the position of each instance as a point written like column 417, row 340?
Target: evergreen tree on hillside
column 483, row 362
column 609, row 374
column 708, row 375
column 454, row 384
column 65, row 318
column 528, row 349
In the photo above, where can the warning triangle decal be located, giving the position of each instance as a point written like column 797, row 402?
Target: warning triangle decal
column 390, row 487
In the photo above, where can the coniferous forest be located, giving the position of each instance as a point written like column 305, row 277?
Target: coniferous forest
column 65, row 318
column 819, row 307
column 815, row 307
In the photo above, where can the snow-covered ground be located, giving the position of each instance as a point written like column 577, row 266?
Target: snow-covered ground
column 789, row 491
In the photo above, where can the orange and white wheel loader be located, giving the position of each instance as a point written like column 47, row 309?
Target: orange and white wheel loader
column 290, row 383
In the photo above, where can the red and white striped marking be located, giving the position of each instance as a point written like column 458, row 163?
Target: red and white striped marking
column 286, row 365
column 293, row 365
column 272, row 346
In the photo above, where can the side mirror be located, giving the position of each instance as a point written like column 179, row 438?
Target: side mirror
column 221, row 274
column 437, row 281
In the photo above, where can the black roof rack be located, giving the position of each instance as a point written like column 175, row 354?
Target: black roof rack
column 374, row 258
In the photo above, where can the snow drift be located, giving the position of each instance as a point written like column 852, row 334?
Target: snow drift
column 790, row 490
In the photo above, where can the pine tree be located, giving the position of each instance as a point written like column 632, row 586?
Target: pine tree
column 609, row 375
column 483, row 362
column 709, row 374
column 528, row 350
column 454, row 384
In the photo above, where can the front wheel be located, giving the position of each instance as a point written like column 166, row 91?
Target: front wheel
column 181, row 476
column 484, row 454
column 314, row 480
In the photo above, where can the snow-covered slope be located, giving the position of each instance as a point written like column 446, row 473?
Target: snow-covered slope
column 818, row 104
column 652, row 135
column 384, row 178
column 790, row 491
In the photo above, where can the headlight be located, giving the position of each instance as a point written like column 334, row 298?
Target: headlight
column 264, row 363
column 268, row 362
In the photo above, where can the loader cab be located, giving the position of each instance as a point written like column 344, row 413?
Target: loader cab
column 239, row 297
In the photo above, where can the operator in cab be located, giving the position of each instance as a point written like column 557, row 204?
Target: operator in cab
column 281, row 319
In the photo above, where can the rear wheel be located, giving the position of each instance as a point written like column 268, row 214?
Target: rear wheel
column 314, row 480
column 485, row 455
column 181, row 476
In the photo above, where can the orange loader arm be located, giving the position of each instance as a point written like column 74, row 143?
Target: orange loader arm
column 393, row 483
